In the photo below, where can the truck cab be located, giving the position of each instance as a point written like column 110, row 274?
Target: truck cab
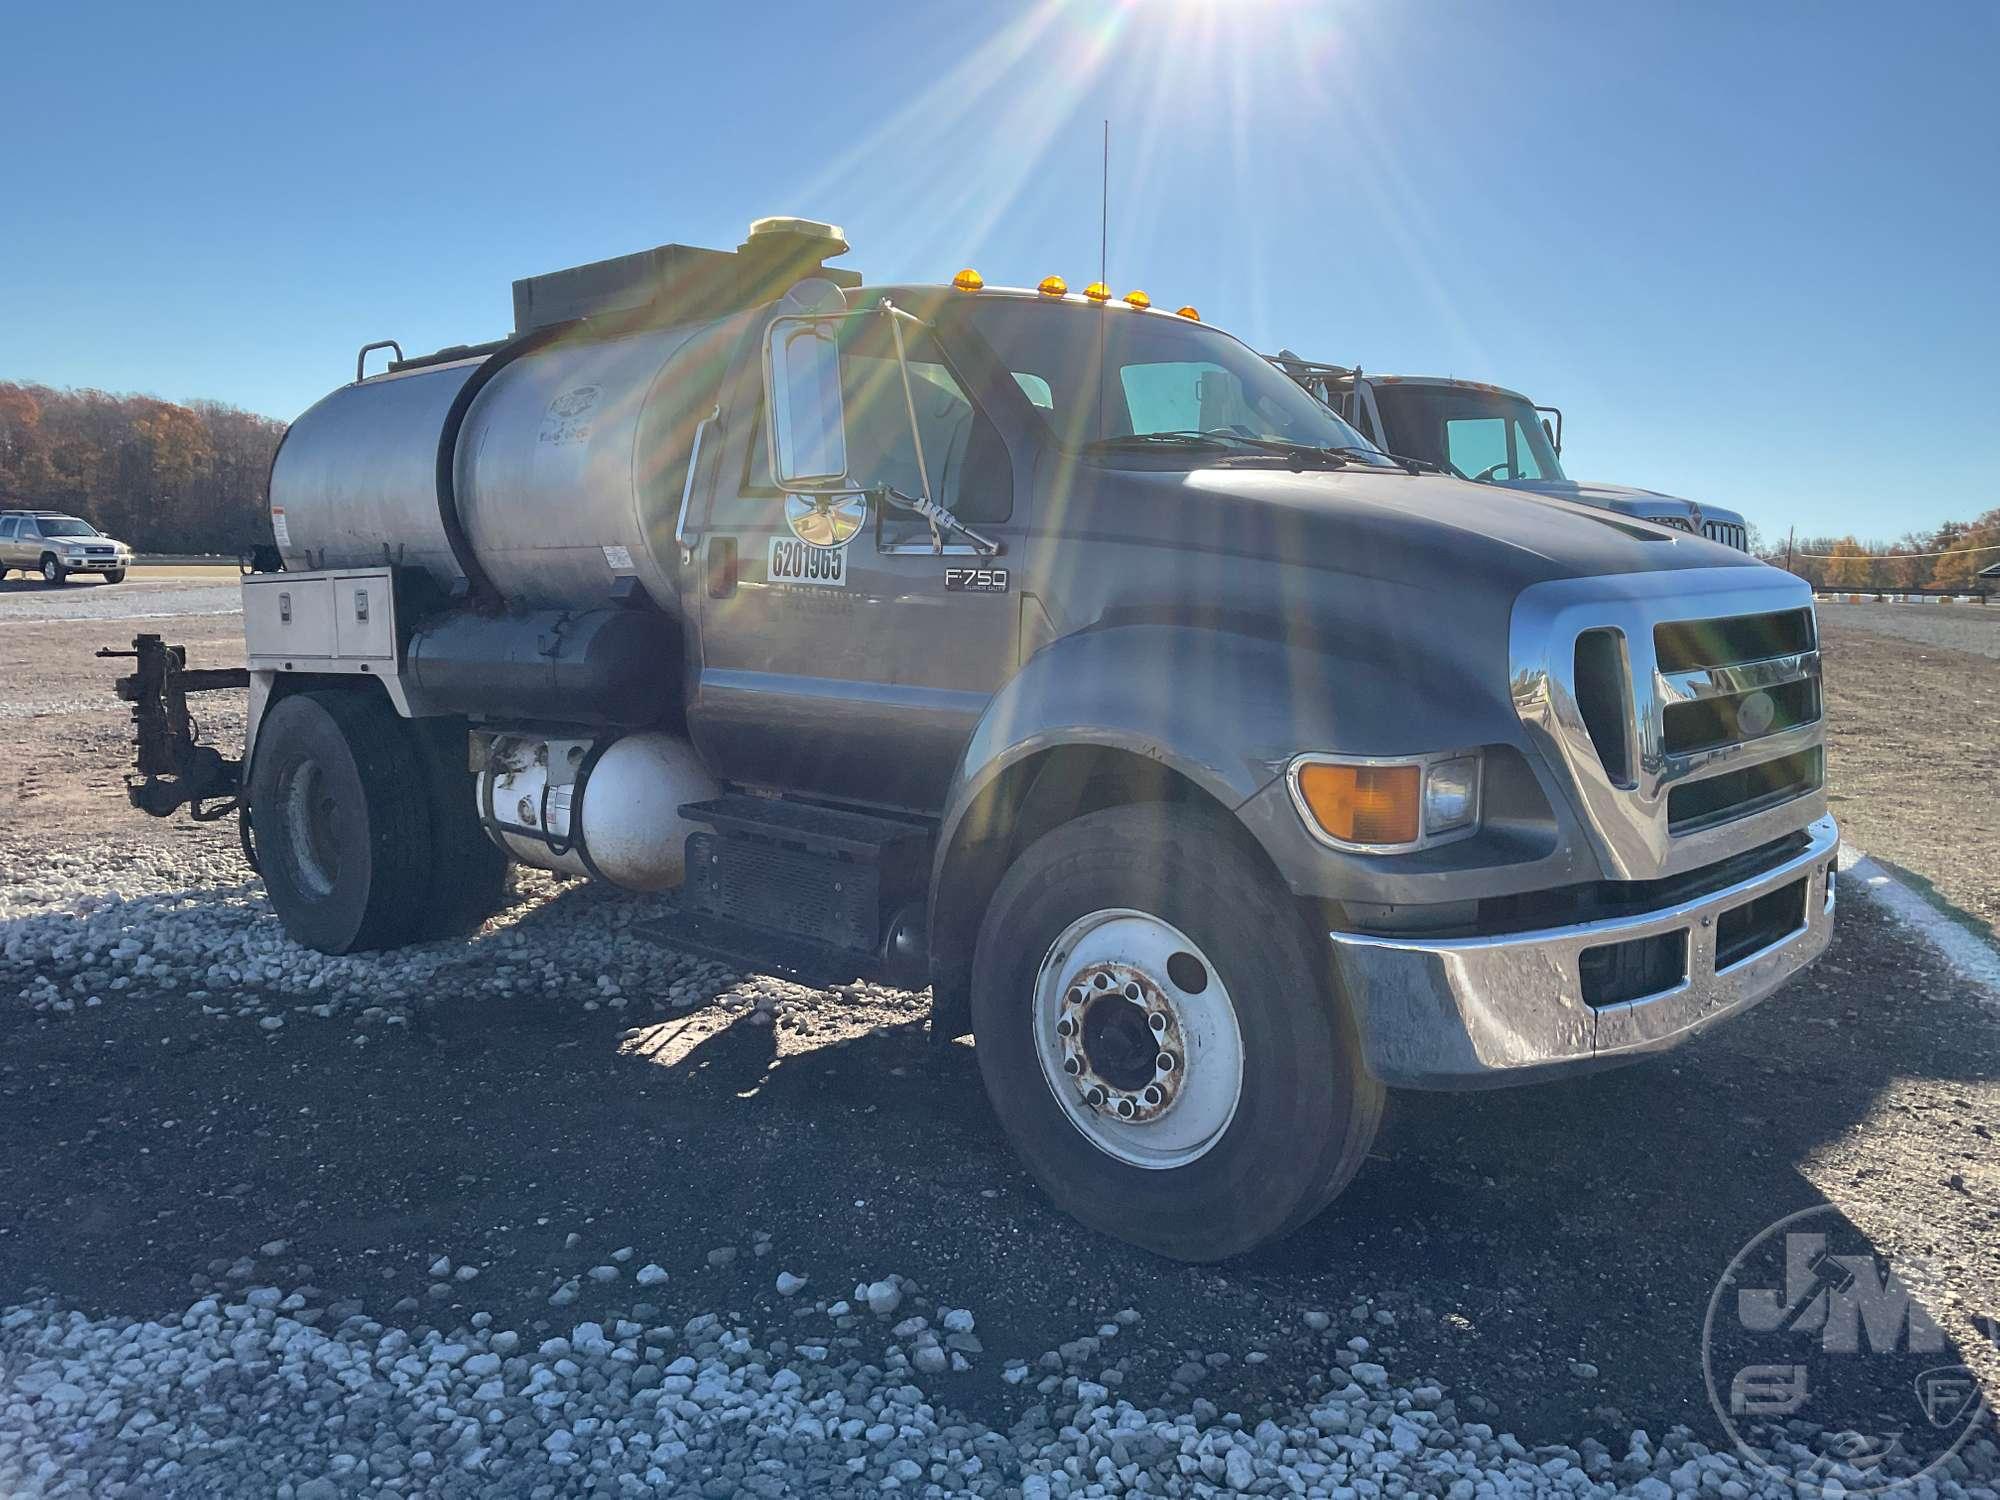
column 1491, row 435
column 1215, row 771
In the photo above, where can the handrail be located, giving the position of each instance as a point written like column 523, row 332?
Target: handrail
column 361, row 359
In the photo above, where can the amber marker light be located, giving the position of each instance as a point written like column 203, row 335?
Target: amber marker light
column 1053, row 286
column 1139, row 300
column 968, row 280
column 1362, row 804
column 1097, row 291
column 1189, row 313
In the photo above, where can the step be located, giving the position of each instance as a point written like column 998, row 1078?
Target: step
column 823, row 830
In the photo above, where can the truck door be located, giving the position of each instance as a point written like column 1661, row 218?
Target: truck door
column 857, row 671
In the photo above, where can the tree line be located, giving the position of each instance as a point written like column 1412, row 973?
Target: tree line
column 1948, row 558
column 164, row 476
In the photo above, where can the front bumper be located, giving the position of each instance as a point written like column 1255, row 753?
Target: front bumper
column 1483, row 1011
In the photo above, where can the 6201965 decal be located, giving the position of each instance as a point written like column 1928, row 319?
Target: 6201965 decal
column 792, row 561
column 976, row 580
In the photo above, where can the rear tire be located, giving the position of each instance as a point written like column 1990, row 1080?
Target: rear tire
column 1272, row 1112
column 340, row 808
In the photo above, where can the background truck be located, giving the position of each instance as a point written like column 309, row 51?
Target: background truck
column 1215, row 771
column 53, row 545
column 1492, row 435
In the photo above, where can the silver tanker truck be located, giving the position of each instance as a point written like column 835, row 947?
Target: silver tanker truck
column 1215, row 771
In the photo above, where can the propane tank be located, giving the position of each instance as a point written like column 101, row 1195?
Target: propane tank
column 609, row 809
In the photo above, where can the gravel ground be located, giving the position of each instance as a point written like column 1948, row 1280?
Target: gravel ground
column 560, row 1211
column 1974, row 628
column 31, row 600
column 1913, row 755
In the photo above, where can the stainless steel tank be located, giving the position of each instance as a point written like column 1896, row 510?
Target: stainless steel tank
column 566, row 466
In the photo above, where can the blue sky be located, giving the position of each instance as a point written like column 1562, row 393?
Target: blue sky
column 1750, row 250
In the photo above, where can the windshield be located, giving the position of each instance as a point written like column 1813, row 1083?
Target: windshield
column 1105, row 374
column 53, row 527
column 1484, row 435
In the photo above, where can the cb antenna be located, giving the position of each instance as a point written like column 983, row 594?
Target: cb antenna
column 1104, row 213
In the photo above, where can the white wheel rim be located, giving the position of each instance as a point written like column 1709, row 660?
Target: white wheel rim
column 1113, row 983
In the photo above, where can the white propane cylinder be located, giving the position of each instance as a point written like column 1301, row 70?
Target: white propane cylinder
column 631, row 819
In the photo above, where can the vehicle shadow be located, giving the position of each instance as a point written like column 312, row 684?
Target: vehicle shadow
column 1507, row 1235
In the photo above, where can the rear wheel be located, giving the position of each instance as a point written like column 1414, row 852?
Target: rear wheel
column 1159, row 1038
column 339, row 806
column 52, row 569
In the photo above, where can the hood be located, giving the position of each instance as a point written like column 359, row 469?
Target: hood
column 1626, row 498
column 1421, row 531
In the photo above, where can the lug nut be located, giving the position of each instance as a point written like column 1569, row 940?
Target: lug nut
column 1153, row 1094
column 1066, row 1027
column 1158, row 1021
column 1125, row 1110
column 1165, row 1062
column 1072, row 1066
column 1132, row 992
column 1095, row 1098
column 1101, row 981
column 1074, row 997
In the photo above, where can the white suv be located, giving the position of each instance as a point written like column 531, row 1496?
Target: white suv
column 55, row 545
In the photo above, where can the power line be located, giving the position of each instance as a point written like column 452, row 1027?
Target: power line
column 1892, row 556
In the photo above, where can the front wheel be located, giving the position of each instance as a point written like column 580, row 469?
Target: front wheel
column 1159, row 1038
column 52, row 570
column 114, row 575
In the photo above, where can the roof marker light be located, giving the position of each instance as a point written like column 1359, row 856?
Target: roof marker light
column 1097, row 291
column 1189, row 313
column 1053, row 286
column 1139, row 300
column 968, row 280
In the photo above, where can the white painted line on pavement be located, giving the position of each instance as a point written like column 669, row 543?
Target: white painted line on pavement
column 1975, row 959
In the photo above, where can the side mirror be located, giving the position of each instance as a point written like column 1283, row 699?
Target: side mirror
column 807, row 424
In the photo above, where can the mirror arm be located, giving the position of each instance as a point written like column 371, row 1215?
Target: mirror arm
column 687, row 490
column 916, row 433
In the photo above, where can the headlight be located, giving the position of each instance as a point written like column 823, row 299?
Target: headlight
column 1451, row 794
column 1384, row 806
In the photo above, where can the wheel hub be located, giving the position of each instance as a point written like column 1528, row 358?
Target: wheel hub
column 1138, row 1038
column 1121, row 1042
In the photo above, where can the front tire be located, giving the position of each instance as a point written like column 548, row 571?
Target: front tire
column 53, row 571
column 114, row 575
column 340, row 806
column 1159, row 1038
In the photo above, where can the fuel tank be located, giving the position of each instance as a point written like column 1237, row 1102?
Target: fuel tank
column 539, row 474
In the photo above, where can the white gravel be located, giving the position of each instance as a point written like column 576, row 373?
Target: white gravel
column 267, row 1390
column 1956, row 627
column 120, row 601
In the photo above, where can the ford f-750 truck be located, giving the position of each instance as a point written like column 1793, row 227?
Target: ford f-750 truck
column 1216, row 771
column 1491, row 435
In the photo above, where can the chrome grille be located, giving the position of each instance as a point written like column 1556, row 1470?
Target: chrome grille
column 1728, row 533
column 1685, row 707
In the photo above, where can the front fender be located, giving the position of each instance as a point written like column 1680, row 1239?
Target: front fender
column 1228, row 710
column 1225, row 709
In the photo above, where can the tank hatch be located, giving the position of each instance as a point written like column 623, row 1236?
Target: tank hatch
column 672, row 283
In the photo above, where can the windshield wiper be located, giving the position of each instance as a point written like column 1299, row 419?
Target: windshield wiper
column 1223, row 439
column 1414, row 465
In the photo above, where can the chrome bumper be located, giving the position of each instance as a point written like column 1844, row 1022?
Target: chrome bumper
column 1477, row 1012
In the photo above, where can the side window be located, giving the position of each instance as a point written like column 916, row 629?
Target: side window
column 9, row 528
column 1036, row 390
column 1476, row 444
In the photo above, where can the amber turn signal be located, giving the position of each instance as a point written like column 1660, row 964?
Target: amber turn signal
column 1363, row 804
